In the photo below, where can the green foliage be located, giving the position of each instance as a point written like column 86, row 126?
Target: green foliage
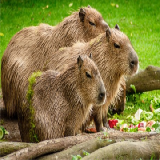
column 132, row 120
column 156, row 102
column 146, row 116
column 85, row 153
column 136, row 101
column 3, row 132
column 76, row 157
column 105, row 134
column 156, row 114
column 130, row 15
column 133, row 87
column 32, row 81
column 157, row 127
column 148, row 129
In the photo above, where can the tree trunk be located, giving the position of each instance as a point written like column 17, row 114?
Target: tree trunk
column 146, row 80
column 128, row 150
column 56, row 145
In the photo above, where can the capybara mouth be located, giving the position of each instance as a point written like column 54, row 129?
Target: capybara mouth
column 101, row 99
column 134, row 69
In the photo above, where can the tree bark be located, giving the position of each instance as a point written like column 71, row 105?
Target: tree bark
column 89, row 146
column 146, row 80
column 9, row 147
column 128, row 150
column 48, row 146
column 55, row 145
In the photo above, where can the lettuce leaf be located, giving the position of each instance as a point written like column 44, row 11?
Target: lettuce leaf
column 146, row 116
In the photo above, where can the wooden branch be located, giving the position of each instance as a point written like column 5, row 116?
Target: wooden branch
column 9, row 147
column 55, row 145
column 146, row 80
column 48, row 146
column 89, row 146
column 128, row 150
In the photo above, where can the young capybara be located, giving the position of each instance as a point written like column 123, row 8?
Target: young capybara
column 61, row 102
column 31, row 47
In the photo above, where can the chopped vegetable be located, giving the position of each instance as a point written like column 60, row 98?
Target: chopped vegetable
column 137, row 115
column 112, row 123
column 146, row 115
column 148, row 129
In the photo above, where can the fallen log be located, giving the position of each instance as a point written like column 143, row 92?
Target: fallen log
column 9, row 147
column 146, row 80
column 128, row 150
column 48, row 146
column 56, row 145
column 79, row 149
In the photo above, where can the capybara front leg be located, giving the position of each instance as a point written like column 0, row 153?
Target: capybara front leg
column 105, row 122
column 98, row 120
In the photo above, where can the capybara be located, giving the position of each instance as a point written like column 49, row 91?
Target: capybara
column 61, row 102
column 115, row 57
column 113, row 54
column 32, row 45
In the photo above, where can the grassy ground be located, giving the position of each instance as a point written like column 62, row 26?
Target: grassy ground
column 139, row 19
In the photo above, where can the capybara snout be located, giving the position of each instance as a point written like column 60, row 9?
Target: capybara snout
column 102, row 95
column 134, row 64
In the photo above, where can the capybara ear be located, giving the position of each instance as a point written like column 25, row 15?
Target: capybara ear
column 82, row 14
column 108, row 34
column 90, row 56
column 89, row 6
column 79, row 61
column 117, row 27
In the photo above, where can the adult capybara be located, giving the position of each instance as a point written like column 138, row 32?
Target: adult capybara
column 111, row 51
column 115, row 57
column 61, row 102
column 31, row 47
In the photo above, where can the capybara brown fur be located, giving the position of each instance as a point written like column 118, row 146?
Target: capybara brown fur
column 119, row 103
column 115, row 57
column 32, row 45
column 113, row 54
column 63, row 101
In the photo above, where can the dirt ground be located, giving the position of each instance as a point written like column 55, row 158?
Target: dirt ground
column 11, row 125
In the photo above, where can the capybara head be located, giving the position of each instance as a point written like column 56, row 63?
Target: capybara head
column 91, row 86
column 124, row 57
column 93, row 21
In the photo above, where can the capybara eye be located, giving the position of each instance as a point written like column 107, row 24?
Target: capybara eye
column 91, row 23
column 116, row 45
column 88, row 75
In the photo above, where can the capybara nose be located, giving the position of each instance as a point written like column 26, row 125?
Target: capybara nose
column 133, row 63
column 102, row 96
column 134, row 66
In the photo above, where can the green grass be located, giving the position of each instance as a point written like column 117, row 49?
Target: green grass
column 139, row 19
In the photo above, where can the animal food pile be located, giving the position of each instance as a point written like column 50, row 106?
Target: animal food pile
column 142, row 122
